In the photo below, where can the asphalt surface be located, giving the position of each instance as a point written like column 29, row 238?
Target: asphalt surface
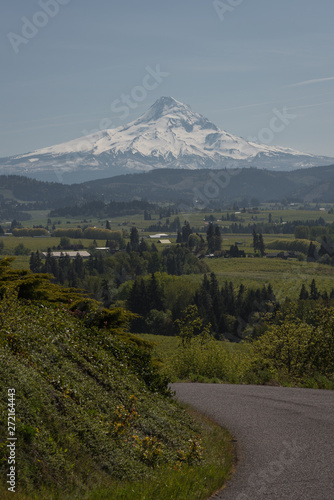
column 285, row 438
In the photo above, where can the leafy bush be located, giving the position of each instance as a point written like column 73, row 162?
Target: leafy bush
column 97, row 233
column 214, row 360
column 299, row 349
column 30, row 231
column 20, row 249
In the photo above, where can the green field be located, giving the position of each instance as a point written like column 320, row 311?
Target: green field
column 285, row 276
column 196, row 219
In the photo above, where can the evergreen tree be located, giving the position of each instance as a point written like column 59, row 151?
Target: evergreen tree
column 203, row 302
column 105, row 293
column 314, row 294
column 210, row 237
column 142, row 246
column 79, row 266
column 108, row 225
column 234, row 251
column 155, row 294
column 217, row 239
column 303, row 293
column 35, row 262
column 47, row 268
column 327, row 247
column 138, row 298
column 186, row 232
column 311, row 253
column 32, row 262
column 255, row 241
column 154, row 263
column 154, row 248
column 261, row 245
column 90, row 264
column 134, row 239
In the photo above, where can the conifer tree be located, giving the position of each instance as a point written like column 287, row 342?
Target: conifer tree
column 142, row 246
column 155, row 294
column 261, row 245
column 255, row 241
column 186, row 232
column 217, row 239
column 311, row 253
column 303, row 293
column 210, row 237
column 314, row 294
column 134, row 239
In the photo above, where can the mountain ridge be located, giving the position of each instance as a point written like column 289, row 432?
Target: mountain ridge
column 186, row 188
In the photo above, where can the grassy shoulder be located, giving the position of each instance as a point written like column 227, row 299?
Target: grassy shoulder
column 183, row 482
column 291, row 353
column 214, row 362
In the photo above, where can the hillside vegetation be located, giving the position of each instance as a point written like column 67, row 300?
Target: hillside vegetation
column 92, row 413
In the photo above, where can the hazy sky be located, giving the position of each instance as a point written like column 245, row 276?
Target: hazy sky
column 238, row 62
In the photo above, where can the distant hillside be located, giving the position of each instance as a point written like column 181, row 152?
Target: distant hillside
column 183, row 187
column 201, row 187
column 24, row 189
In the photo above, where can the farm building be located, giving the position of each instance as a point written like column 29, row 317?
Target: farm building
column 165, row 242
column 72, row 254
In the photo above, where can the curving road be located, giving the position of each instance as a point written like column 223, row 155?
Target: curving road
column 285, row 438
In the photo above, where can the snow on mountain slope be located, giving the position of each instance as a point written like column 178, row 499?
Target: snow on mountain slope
column 169, row 135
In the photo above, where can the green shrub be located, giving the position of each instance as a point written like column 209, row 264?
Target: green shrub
column 297, row 245
column 212, row 360
column 300, row 349
column 30, row 231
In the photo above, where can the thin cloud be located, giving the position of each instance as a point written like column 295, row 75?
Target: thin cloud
column 311, row 82
column 312, row 105
column 245, row 106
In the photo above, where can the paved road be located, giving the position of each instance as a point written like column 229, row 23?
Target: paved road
column 285, row 438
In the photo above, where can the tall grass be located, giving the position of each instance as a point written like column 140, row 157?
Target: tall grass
column 215, row 361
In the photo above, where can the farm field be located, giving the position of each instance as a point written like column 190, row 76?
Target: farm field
column 285, row 276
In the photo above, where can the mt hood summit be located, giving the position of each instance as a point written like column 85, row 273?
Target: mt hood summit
column 168, row 135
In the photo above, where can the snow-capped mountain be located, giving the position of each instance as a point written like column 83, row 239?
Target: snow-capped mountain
column 168, row 135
